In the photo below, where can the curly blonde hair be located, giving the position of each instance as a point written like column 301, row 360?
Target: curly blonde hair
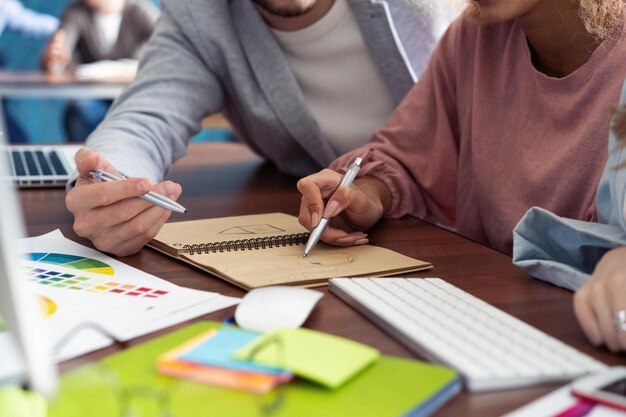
column 600, row 17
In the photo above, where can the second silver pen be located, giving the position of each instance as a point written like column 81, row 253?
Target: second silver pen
column 154, row 198
column 346, row 180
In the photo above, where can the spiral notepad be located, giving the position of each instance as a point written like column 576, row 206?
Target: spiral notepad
column 267, row 242
column 266, row 249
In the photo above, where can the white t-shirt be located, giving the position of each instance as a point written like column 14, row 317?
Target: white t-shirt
column 338, row 77
column 108, row 28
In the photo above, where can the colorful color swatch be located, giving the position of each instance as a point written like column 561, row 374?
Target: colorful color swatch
column 106, row 284
column 72, row 261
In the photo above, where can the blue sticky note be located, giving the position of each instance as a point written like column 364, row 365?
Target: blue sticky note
column 218, row 351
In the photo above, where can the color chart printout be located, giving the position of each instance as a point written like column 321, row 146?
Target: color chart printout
column 64, row 271
column 78, row 273
column 60, row 268
column 61, row 277
column 77, row 286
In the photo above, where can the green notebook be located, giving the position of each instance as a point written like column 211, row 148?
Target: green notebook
column 128, row 380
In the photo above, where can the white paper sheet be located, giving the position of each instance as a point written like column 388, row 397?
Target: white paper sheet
column 78, row 285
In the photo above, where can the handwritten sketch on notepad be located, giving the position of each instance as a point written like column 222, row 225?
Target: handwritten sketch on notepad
column 252, row 229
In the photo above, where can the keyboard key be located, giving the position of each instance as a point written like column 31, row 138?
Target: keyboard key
column 43, row 163
column 20, row 170
column 33, row 169
column 56, row 163
column 490, row 348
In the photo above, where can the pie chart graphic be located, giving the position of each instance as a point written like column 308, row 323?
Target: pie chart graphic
column 72, row 261
column 92, row 275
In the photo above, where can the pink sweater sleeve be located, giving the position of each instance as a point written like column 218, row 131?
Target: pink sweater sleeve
column 416, row 154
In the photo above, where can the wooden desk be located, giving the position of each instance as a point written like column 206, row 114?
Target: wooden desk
column 221, row 179
column 29, row 84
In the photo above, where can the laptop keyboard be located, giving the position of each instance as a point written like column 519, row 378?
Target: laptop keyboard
column 35, row 166
column 36, row 163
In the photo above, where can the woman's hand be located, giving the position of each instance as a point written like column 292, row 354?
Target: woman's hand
column 357, row 207
column 601, row 299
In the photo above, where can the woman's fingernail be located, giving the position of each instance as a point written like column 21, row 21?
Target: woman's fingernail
column 361, row 241
column 331, row 209
column 315, row 219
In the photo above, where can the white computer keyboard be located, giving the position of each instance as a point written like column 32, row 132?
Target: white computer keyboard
column 488, row 347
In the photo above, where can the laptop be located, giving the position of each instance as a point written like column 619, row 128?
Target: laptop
column 18, row 305
column 39, row 165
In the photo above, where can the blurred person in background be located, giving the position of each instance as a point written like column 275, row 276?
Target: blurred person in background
column 92, row 31
column 14, row 16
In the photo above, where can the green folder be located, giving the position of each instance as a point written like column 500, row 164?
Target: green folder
column 127, row 383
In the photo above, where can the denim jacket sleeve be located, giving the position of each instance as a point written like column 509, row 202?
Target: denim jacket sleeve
column 565, row 252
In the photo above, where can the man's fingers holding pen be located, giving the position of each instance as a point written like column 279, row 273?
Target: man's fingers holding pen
column 88, row 160
column 129, row 237
column 126, row 209
column 125, row 227
column 109, row 214
column 82, row 198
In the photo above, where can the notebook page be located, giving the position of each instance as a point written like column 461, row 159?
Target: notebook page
column 251, row 268
column 286, row 265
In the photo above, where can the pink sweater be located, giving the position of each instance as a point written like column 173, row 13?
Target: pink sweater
column 484, row 136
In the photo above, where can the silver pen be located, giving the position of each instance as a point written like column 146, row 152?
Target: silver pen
column 346, row 180
column 155, row 198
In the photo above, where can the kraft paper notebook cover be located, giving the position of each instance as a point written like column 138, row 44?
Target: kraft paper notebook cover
column 390, row 387
column 266, row 249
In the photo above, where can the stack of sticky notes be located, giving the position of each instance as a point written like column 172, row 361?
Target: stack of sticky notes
column 319, row 357
column 239, row 359
column 207, row 358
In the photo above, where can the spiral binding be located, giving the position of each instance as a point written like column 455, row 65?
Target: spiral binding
column 248, row 244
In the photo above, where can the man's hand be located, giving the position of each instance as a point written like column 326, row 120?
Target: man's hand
column 109, row 213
